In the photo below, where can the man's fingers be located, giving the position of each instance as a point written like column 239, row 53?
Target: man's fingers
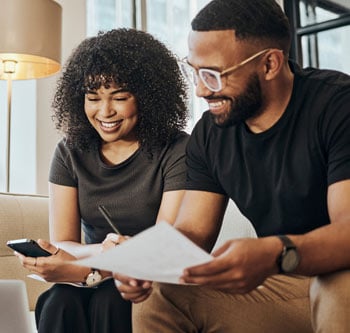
column 136, row 297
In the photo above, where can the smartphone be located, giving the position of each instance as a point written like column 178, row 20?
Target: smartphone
column 28, row 247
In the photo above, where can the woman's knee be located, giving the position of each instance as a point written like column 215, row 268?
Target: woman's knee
column 107, row 296
column 63, row 305
column 63, row 297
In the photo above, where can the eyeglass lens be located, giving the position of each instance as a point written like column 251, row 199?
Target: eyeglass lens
column 210, row 78
column 189, row 73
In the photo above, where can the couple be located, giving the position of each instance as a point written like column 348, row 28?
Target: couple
column 275, row 140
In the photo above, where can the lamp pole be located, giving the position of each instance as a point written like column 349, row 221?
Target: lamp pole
column 9, row 69
column 8, row 146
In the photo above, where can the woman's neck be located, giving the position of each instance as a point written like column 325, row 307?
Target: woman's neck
column 113, row 153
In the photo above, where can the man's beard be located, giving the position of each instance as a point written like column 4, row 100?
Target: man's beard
column 244, row 106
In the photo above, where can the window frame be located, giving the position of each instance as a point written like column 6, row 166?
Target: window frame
column 291, row 8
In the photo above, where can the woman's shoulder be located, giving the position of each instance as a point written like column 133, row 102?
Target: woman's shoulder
column 180, row 140
column 182, row 136
column 174, row 149
column 66, row 150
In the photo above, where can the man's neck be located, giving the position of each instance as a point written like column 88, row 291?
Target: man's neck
column 277, row 96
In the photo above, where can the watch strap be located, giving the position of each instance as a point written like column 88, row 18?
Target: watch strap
column 287, row 245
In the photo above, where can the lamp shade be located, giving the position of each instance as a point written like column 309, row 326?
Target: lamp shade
column 30, row 38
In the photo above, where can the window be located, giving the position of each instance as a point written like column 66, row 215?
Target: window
column 108, row 14
column 167, row 20
column 321, row 29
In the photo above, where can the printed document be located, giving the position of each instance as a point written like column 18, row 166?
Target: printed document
column 159, row 253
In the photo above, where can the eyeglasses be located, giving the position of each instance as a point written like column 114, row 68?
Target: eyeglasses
column 211, row 78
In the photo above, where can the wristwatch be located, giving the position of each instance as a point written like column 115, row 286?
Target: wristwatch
column 289, row 259
column 93, row 278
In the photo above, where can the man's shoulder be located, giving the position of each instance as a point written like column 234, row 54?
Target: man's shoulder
column 327, row 78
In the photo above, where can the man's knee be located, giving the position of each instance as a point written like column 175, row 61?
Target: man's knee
column 330, row 302
column 166, row 310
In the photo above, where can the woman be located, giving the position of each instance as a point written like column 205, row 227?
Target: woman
column 121, row 104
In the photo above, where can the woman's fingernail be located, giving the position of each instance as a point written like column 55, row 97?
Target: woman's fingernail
column 133, row 283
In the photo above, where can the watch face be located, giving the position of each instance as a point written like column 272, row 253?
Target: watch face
column 93, row 278
column 290, row 261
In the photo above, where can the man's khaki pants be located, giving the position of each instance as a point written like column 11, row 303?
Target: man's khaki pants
column 283, row 304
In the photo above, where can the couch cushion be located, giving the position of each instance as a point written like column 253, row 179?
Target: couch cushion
column 22, row 216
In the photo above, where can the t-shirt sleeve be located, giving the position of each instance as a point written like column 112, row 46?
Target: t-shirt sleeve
column 336, row 135
column 199, row 172
column 61, row 169
column 174, row 167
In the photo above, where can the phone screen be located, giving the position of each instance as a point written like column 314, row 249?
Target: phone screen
column 28, row 247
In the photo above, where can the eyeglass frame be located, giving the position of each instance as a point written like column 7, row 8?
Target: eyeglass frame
column 215, row 73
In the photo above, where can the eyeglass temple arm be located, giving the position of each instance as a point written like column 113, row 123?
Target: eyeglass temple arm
column 244, row 62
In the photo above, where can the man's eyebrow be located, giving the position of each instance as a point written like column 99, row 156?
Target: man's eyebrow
column 215, row 68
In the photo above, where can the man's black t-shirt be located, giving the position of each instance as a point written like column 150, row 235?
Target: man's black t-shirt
column 279, row 178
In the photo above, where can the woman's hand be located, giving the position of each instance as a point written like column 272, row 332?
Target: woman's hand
column 53, row 268
column 131, row 289
column 113, row 240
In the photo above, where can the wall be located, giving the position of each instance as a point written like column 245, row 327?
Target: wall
column 33, row 135
column 73, row 32
column 23, row 134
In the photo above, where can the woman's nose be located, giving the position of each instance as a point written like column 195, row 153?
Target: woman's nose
column 107, row 109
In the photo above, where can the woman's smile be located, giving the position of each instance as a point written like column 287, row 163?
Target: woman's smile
column 110, row 126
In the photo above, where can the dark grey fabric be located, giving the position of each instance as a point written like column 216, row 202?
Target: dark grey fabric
column 131, row 191
column 67, row 309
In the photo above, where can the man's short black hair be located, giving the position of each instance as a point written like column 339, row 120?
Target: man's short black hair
column 256, row 20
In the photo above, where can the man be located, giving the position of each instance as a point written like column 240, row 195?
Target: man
column 276, row 140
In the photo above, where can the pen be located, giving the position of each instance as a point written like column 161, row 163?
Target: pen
column 105, row 214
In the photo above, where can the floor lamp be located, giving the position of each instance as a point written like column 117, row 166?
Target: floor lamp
column 30, row 48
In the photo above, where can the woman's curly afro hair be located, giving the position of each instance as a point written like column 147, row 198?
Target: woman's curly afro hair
column 130, row 58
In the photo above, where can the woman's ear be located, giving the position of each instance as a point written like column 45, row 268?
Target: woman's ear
column 273, row 63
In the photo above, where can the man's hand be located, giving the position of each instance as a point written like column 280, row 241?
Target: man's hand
column 131, row 289
column 239, row 265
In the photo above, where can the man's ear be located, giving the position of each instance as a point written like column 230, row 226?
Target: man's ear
column 274, row 61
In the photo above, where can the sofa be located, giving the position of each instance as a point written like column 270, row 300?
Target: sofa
column 22, row 216
column 26, row 216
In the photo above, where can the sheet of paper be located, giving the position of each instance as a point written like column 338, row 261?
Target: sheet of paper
column 159, row 253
